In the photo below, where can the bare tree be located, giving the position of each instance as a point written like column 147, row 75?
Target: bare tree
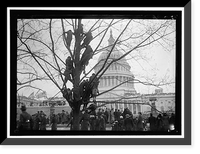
column 45, row 44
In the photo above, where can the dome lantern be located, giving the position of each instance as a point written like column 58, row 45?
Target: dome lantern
column 111, row 40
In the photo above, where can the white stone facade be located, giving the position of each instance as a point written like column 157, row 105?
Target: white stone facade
column 119, row 72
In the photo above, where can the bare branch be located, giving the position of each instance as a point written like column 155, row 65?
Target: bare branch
column 29, row 87
column 28, row 49
column 53, row 51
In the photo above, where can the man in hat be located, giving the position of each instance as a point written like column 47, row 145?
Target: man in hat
column 25, row 121
column 128, row 123
column 85, row 121
column 152, row 121
column 53, row 122
column 140, row 122
column 42, row 121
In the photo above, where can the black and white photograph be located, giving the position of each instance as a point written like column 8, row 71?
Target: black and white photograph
column 96, row 73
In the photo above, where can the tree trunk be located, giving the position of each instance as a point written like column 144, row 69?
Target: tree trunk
column 76, row 119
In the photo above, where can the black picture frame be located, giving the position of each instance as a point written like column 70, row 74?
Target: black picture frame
column 187, row 140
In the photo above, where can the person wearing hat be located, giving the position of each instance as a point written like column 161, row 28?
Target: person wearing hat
column 36, row 120
column 85, row 121
column 139, row 122
column 128, row 123
column 42, row 121
column 25, row 121
column 54, row 122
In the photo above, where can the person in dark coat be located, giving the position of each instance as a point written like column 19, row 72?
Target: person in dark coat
column 68, row 69
column 102, row 123
column 159, row 123
column 85, row 121
column 36, row 121
column 126, row 111
column 87, row 55
column 54, row 122
column 118, row 114
column 115, row 115
column 43, row 121
column 63, row 117
column 140, row 122
column 25, row 121
column 128, row 123
column 87, row 40
column 93, row 120
column 152, row 121
column 165, row 120
column 106, row 115
column 69, row 38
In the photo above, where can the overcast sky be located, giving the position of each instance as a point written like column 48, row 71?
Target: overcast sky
column 153, row 62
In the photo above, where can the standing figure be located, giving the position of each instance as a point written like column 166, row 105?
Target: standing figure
column 128, row 123
column 109, row 116
column 85, row 121
column 25, row 121
column 42, row 121
column 63, row 117
column 159, row 123
column 106, row 115
column 152, row 121
column 102, row 123
column 112, row 115
column 165, row 120
column 140, row 122
column 36, row 121
column 93, row 120
column 54, row 122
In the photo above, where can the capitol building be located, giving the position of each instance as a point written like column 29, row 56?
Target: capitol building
column 118, row 73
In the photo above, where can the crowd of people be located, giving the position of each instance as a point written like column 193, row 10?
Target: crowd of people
column 40, row 120
column 163, row 122
column 98, row 120
column 126, row 121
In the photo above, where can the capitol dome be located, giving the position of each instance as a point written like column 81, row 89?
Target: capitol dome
column 116, row 74
column 115, row 54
